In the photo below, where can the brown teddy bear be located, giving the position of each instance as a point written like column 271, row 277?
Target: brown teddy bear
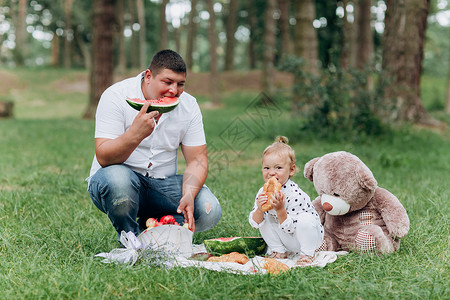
column 356, row 213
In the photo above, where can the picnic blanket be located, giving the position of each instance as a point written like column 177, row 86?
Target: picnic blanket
column 164, row 255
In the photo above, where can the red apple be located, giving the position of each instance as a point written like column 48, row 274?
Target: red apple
column 151, row 222
column 169, row 219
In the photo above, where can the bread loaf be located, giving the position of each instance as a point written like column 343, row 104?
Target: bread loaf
column 271, row 187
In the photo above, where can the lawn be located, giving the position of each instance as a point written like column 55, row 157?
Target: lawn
column 50, row 230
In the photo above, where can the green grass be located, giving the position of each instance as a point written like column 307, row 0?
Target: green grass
column 50, row 230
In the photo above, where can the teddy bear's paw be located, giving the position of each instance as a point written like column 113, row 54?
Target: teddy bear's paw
column 399, row 233
column 365, row 241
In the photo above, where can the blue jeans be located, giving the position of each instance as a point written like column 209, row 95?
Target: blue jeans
column 129, row 198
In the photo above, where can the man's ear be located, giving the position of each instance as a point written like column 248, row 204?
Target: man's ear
column 147, row 74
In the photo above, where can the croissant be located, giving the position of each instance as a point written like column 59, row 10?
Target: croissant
column 274, row 266
column 230, row 257
column 271, row 187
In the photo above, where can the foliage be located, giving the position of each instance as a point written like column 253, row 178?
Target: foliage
column 338, row 103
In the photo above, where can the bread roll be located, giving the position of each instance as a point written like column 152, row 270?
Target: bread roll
column 274, row 266
column 271, row 187
column 230, row 257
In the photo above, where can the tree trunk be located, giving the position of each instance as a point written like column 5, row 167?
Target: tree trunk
column 101, row 76
column 214, row 78
column 191, row 33
column 84, row 47
column 404, row 35
column 68, row 34
column 364, row 52
column 447, row 105
column 177, row 35
column 120, row 17
column 286, row 40
column 134, row 43
column 230, row 31
column 163, row 41
column 306, row 43
column 143, row 61
column 55, row 50
column 20, row 31
column 269, row 49
column 252, row 25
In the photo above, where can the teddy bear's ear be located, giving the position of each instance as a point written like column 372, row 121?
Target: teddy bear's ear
column 366, row 179
column 309, row 166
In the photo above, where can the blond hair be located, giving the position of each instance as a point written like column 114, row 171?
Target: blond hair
column 281, row 147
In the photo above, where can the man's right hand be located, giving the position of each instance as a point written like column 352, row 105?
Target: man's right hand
column 116, row 151
column 144, row 123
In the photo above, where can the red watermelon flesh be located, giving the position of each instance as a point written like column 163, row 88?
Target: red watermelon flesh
column 163, row 105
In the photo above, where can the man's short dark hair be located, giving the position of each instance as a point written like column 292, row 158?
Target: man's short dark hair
column 167, row 59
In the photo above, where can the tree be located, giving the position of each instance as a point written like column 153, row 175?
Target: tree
column 269, row 49
column 191, row 34
column 305, row 42
column 163, row 42
column 120, row 17
column 252, row 25
column 20, row 31
column 447, row 106
column 214, row 78
column 230, row 30
column 346, row 39
column 286, row 40
column 134, row 53
column 68, row 34
column 364, row 37
column 101, row 76
column 142, row 39
column 403, row 44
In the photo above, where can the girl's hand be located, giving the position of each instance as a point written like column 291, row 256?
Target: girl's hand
column 277, row 202
column 262, row 198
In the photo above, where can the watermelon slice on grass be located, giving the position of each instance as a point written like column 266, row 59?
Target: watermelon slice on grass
column 163, row 105
column 250, row 246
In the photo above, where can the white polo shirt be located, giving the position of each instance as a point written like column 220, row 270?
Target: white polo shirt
column 157, row 153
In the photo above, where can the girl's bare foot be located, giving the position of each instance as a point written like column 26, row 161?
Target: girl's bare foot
column 304, row 260
column 278, row 255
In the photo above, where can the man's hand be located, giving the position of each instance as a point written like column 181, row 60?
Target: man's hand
column 116, row 151
column 187, row 208
column 144, row 123
column 194, row 177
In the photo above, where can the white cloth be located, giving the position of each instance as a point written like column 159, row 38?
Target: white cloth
column 127, row 255
column 300, row 232
column 254, row 266
column 183, row 125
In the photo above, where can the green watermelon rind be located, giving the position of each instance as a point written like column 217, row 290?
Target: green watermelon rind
column 154, row 107
column 250, row 246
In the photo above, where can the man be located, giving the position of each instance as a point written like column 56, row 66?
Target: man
column 133, row 175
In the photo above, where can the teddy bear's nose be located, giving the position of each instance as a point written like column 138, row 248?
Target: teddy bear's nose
column 327, row 206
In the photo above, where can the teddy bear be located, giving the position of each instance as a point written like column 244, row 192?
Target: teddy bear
column 356, row 213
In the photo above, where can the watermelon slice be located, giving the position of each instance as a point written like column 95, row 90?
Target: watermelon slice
column 163, row 105
column 247, row 245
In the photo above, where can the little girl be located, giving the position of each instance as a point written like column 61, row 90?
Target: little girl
column 293, row 224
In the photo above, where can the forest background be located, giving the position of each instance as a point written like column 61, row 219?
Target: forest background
column 368, row 77
column 312, row 40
